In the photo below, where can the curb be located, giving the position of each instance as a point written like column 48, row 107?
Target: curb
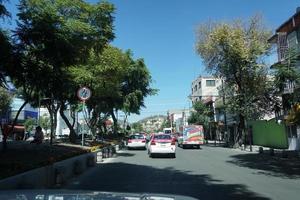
column 57, row 174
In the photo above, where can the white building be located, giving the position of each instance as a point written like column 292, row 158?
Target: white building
column 61, row 128
column 179, row 118
column 204, row 88
column 207, row 90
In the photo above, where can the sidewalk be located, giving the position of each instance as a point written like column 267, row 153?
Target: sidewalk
column 255, row 149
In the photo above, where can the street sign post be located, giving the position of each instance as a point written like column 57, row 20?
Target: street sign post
column 83, row 93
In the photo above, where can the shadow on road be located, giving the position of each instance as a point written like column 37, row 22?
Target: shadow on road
column 125, row 154
column 272, row 165
column 216, row 145
column 123, row 177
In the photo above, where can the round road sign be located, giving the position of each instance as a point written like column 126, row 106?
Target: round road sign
column 84, row 93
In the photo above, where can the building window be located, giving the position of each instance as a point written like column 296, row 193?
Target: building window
column 210, row 83
column 195, row 88
column 199, row 84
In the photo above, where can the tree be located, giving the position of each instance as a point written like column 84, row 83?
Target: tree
column 29, row 124
column 166, row 124
column 5, row 102
column 3, row 10
column 201, row 116
column 235, row 51
column 118, row 82
column 137, row 127
column 286, row 74
column 54, row 35
column 5, row 46
column 45, row 122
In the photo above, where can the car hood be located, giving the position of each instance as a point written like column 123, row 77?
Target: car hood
column 86, row 195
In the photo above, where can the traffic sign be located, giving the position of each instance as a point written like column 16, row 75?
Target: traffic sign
column 84, row 93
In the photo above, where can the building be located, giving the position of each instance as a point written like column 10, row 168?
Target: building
column 207, row 90
column 61, row 127
column 204, row 88
column 179, row 118
column 153, row 123
column 286, row 40
column 27, row 112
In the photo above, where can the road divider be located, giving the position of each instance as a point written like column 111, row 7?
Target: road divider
column 58, row 173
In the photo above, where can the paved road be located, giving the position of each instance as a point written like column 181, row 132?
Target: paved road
column 209, row 173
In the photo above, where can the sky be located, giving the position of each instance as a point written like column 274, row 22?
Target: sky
column 162, row 32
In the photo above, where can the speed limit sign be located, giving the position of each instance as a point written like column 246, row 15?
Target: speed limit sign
column 84, row 93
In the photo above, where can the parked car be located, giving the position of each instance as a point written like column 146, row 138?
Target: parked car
column 162, row 144
column 136, row 141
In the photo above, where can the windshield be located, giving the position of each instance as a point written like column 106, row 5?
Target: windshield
column 136, row 137
column 198, row 98
column 162, row 137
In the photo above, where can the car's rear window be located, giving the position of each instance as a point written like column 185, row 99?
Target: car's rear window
column 162, row 137
column 136, row 137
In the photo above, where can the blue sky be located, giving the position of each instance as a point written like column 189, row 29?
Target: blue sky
column 163, row 33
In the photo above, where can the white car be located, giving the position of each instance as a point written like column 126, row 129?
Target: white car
column 161, row 144
column 136, row 141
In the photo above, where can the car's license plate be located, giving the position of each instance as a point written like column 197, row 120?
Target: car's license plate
column 163, row 145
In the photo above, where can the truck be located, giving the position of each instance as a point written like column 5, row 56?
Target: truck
column 167, row 130
column 192, row 136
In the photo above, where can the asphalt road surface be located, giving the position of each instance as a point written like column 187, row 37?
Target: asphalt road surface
column 208, row 173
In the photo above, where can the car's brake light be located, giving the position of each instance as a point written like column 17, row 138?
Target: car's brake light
column 129, row 141
column 173, row 142
column 143, row 141
column 153, row 142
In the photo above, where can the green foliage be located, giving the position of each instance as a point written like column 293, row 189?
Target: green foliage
column 5, row 100
column 5, row 46
column 234, row 51
column 52, row 36
column 45, row 122
column 121, row 83
column 285, row 73
column 3, row 10
column 166, row 124
column 201, row 115
column 29, row 124
column 137, row 127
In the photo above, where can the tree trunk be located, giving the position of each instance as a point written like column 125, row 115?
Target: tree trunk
column 72, row 135
column 240, row 131
column 73, row 116
column 115, row 122
column 4, row 140
column 52, row 109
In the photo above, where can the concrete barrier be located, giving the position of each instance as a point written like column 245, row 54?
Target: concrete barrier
column 58, row 173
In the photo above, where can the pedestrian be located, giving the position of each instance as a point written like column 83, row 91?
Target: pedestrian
column 38, row 136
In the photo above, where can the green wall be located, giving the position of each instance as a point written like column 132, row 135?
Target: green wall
column 269, row 134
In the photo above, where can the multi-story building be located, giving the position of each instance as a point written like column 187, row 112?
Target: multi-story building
column 204, row 88
column 207, row 90
column 286, row 39
column 27, row 112
column 179, row 118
